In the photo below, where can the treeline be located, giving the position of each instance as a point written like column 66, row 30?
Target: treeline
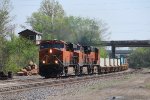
column 16, row 54
column 140, row 57
column 53, row 22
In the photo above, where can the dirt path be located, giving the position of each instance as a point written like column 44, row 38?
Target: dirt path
column 132, row 89
column 129, row 87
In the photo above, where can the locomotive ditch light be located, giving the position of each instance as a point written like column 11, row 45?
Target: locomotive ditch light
column 50, row 51
column 56, row 61
column 44, row 62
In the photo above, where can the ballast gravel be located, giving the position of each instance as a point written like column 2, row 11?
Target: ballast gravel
column 49, row 93
column 57, row 92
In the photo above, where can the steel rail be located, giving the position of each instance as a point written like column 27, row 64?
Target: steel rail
column 60, row 82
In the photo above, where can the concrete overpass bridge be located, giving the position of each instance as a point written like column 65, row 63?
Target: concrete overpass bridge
column 124, row 43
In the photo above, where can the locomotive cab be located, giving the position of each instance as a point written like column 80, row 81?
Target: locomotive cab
column 51, row 58
column 91, row 58
column 69, row 54
column 87, row 49
column 79, row 52
column 51, row 52
column 94, row 55
column 70, row 47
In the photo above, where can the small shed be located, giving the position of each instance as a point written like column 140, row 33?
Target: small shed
column 31, row 35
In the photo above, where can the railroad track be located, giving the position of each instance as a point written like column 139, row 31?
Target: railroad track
column 59, row 82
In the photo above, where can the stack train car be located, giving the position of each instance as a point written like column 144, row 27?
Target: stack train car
column 57, row 57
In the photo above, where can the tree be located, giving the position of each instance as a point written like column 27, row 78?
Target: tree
column 52, row 22
column 103, row 52
column 51, row 8
column 5, row 28
column 48, row 19
column 140, row 58
column 5, row 18
column 19, row 52
column 85, row 31
column 41, row 23
column 16, row 52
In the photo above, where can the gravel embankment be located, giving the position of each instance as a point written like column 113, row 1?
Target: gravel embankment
column 49, row 93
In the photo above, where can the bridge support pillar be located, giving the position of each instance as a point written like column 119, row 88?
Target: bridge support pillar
column 113, row 51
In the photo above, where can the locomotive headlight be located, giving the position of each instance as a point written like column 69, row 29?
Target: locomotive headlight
column 50, row 51
column 56, row 62
column 44, row 62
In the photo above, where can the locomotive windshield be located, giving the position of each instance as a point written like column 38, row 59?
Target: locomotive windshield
column 51, row 45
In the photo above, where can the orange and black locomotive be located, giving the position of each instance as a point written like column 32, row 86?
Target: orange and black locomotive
column 56, row 57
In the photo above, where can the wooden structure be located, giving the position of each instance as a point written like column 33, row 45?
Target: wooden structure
column 31, row 35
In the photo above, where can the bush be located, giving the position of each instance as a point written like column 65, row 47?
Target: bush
column 140, row 58
column 103, row 53
column 11, row 65
column 19, row 52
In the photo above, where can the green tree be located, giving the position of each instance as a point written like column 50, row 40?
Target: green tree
column 2, row 51
column 140, row 57
column 84, row 30
column 51, row 8
column 41, row 23
column 5, row 19
column 103, row 52
column 5, row 28
column 52, row 22
column 16, row 52
column 48, row 19
column 19, row 52
column 75, row 29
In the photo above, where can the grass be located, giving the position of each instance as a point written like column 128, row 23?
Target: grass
column 147, row 83
column 109, row 83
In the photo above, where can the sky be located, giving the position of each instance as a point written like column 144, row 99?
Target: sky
column 126, row 19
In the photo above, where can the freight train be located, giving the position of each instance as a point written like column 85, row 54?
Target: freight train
column 56, row 57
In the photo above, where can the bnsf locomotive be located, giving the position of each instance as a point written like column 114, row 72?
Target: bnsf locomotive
column 56, row 57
